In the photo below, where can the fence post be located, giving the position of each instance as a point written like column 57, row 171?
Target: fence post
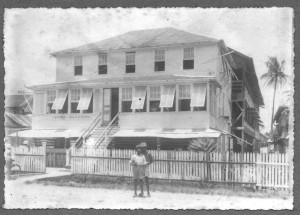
column 169, row 164
column 71, row 151
column 208, row 173
column 44, row 145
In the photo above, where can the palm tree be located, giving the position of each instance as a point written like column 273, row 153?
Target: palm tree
column 275, row 76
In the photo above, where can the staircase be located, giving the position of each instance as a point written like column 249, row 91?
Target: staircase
column 101, row 137
column 98, row 136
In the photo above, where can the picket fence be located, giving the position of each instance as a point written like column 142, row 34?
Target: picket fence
column 31, row 159
column 261, row 170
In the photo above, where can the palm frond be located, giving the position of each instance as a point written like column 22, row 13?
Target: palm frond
column 269, row 82
column 275, row 72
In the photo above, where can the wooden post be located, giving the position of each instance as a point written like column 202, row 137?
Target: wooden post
column 71, row 151
column 44, row 145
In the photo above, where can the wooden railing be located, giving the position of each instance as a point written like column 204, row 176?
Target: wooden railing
column 106, row 131
column 88, row 131
column 260, row 170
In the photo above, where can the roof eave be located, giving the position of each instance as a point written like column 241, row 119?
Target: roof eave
column 116, row 81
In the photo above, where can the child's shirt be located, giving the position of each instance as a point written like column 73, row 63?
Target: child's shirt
column 149, row 158
column 138, row 159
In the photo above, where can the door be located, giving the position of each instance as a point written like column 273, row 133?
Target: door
column 114, row 102
column 106, row 106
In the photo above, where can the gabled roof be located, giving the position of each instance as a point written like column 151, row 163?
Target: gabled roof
column 251, row 77
column 280, row 109
column 142, row 39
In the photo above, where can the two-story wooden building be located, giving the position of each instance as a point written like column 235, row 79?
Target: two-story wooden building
column 163, row 86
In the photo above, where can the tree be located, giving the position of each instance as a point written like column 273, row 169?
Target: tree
column 274, row 77
column 203, row 144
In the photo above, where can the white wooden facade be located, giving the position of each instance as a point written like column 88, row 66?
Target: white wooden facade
column 209, row 70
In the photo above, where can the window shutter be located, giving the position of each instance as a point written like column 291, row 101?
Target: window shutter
column 60, row 100
column 167, row 97
column 138, row 100
column 198, row 95
column 85, row 99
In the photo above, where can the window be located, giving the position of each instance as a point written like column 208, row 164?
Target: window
column 138, row 100
column 159, row 64
column 102, row 64
column 168, row 98
column 126, row 99
column 130, row 62
column 75, row 97
column 154, row 99
column 86, row 101
column 188, row 58
column 61, row 101
column 213, row 100
column 198, row 99
column 184, row 98
column 50, row 99
column 78, row 65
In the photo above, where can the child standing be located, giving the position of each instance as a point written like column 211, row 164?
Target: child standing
column 149, row 160
column 138, row 163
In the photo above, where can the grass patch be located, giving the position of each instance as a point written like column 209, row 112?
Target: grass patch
column 174, row 186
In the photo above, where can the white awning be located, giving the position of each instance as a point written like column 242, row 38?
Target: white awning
column 85, row 100
column 198, row 95
column 167, row 96
column 60, row 100
column 48, row 133
column 138, row 99
column 173, row 134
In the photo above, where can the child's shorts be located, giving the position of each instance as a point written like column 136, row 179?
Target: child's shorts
column 147, row 171
column 138, row 172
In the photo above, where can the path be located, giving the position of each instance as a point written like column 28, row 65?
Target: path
column 21, row 195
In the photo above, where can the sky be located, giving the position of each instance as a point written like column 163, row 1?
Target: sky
column 30, row 35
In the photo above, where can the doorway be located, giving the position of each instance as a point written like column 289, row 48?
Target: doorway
column 114, row 102
column 110, row 104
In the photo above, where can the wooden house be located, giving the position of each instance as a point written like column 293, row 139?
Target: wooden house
column 164, row 86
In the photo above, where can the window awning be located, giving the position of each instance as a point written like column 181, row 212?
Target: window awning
column 172, row 133
column 48, row 133
column 198, row 95
column 85, row 100
column 60, row 100
column 138, row 99
column 167, row 96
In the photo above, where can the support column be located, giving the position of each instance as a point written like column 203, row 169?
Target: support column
column 71, row 152
column 44, row 145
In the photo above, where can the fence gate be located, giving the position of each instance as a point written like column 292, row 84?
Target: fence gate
column 31, row 159
column 56, row 157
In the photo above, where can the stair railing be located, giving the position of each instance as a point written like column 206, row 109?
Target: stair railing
column 88, row 131
column 106, row 131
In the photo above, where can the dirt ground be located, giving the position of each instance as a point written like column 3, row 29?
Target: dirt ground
column 19, row 194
